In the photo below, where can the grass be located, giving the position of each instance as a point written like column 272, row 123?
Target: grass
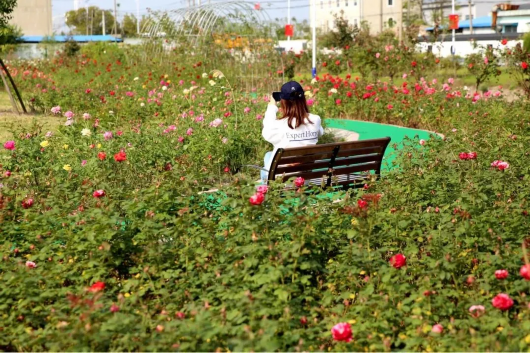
column 10, row 121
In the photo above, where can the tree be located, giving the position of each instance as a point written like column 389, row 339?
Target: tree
column 6, row 8
column 343, row 35
column 90, row 21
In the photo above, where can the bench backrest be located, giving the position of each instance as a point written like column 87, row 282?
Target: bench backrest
column 346, row 164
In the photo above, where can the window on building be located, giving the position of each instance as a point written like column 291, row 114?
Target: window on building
column 390, row 2
column 510, row 29
column 345, row 2
column 355, row 23
column 429, row 49
column 322, row 4
column 391, row 22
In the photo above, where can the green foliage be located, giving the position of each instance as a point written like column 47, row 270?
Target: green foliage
column 6, row 8
column 343, row 34
column 9, row 38
column 71, row 48
column 186, row 271
column 484, row 65
column 90, row 21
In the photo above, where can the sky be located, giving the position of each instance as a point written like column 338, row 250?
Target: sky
column 275, row 8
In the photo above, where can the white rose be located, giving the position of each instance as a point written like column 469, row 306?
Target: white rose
column 212, row 83
column 186, row 91
column 136, row 78
column 204, row 75
column 86, row 132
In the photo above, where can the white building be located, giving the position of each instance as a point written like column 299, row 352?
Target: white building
column 327, row 9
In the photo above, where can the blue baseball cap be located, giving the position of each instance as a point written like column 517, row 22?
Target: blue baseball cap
column 291, row 90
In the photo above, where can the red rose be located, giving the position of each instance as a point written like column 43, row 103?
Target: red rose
column 102, row 156
column 96, row 287
column 338, row 101
column 98, row 193
column 470, row 66
column 362, row 204
column 257, row 199
column 120, row 156
column 414, row 64
column 114, row 308
column 525, row 272
column 337, row 62
column 472, row 155
column 501, row 274
column 462, row 155
column 502, row 301
column 349, row 94
column 88, row 90
column 324, row 64
column 27, row 203
column 504, row 41
column 398, row 261
column 524, row 65
column 180, row 315
column 227, row 169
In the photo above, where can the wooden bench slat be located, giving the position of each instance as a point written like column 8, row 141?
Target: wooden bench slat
column 358, row 168
column 320, row 164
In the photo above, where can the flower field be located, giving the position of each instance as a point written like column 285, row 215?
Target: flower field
column 108, row 243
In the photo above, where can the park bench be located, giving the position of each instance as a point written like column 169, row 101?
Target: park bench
column 343, row 165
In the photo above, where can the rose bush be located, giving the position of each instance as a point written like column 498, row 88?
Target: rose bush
column 120, row 251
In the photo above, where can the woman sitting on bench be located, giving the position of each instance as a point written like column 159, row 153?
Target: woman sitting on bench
column 295, row 128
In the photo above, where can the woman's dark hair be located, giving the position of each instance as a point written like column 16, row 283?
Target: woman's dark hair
column 296, row 110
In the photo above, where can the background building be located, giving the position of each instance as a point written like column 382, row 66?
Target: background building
column 379, row 15
column 34, row 17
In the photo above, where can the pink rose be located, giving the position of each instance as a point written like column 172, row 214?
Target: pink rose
column 437, row 328
column 107, row 135
column 501, row 274
column 246, row 110
column 56, row 110
column 114, row 308
column 398, row 261
column 257, row 198
column 503, row 165
column 502, row 301
column 263, row 189
column 472, row 155
column 342, row 332
column 189, row 132
column 422, row 142
column 69, row 114
column 476, row 310
column 9, row 145
column 299, row 182
column 31, row 264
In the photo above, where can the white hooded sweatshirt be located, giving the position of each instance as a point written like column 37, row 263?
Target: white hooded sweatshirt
column 278, row 132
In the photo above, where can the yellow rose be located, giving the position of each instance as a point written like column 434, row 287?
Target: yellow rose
column 65, row 146
column 67, row 167
column 354, row 222
column 44, row 143
column 99, row 145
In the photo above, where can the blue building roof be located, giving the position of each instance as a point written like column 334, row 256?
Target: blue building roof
column 79, row 39
column 479, row 22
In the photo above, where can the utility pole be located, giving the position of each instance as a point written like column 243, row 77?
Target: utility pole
column 401, row 22
column 470, row 17
column 381, row 17
column 86, row 19
column 288, row 16
column 138, row 16
column 104, row 25
column 314, row 23
column 115, row 18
